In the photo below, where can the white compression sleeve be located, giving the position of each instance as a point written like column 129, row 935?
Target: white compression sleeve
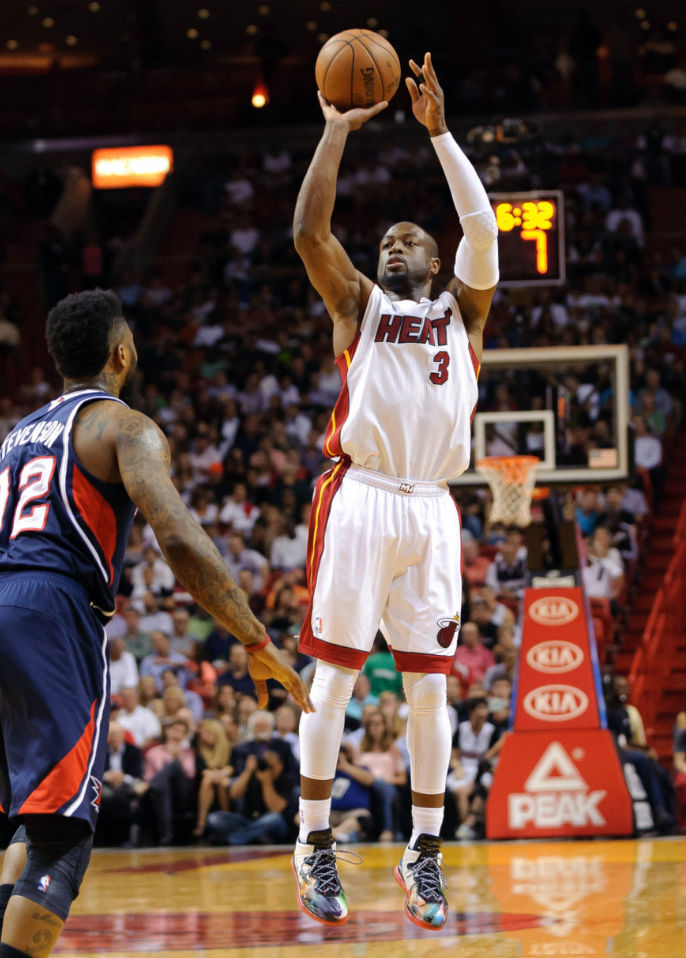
column 476, row 262
column 429, row 736
column 321, row 731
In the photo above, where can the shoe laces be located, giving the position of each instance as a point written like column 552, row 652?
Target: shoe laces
column 323, row 869
column 429, row 878
column 428, row 870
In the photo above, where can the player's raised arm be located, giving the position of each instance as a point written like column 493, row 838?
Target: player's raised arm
column 345, row 291
column 476, row 262
column 143, row 459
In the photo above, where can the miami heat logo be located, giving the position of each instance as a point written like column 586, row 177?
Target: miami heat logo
column 446, row 631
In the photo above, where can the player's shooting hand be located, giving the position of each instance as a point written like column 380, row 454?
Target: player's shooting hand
column 428, row 102
column 354, row 118
column 269, row 663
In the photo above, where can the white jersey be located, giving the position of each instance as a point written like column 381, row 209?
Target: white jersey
column 409, row 391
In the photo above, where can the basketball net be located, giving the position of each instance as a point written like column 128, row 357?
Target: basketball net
column 512, row 480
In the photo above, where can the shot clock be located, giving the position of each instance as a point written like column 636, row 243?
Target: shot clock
column 531, row 238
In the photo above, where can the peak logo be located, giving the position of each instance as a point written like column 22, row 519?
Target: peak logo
column 555, row 656
column 554, row 610
column 555, row 703
column 555, row 794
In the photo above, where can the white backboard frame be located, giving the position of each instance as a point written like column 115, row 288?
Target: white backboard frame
column 547, row 473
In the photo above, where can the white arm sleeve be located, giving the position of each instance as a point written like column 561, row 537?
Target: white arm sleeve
column 476, row 262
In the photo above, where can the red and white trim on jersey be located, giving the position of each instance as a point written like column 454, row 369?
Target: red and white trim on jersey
column 332, row 437
column 66, row 439
column 100, row 729
column 325, row 490
column 98, row 515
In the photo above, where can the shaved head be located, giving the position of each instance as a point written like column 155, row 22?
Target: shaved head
column 407, row 227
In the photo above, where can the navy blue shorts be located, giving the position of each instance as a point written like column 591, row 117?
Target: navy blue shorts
column 54, row 697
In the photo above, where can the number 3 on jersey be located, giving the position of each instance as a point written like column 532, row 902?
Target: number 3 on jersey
column 440, row 375
column 34, row 483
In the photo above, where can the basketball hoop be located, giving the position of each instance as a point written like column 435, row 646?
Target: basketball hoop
column 511, row 479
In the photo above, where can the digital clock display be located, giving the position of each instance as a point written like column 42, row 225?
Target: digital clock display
column 530, row 237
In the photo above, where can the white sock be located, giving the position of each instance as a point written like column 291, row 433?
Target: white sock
column 425, row 821
column 314, row 816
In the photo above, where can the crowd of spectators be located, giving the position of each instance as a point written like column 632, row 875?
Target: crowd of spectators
column 237, row 369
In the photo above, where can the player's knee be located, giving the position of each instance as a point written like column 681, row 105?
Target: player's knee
column 425, row 692
column 58, row 850
column 332, row 685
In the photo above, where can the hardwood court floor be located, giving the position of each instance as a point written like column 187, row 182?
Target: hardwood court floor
column 579, row 899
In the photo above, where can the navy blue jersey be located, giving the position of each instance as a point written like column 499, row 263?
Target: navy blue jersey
column 56, row 516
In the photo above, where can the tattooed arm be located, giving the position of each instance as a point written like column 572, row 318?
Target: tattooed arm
column 143, row 459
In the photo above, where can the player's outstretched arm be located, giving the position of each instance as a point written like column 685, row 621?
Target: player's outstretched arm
column 345, row 291
column 476, row 263
column 143, row 458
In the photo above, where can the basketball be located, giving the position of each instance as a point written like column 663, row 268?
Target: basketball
column 357, row 68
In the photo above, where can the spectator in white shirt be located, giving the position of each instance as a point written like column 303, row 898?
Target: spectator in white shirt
column 237, row 512
column 648, row 453
column 203, row 451
column 123, row 668
column 162, row 579
column 622, row 211
column 239, row 557
column 289, row 550
column 140, row 721
column 604, row 571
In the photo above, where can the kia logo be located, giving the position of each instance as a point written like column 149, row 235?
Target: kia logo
column 553, row 610
column 555, row 656
column 555, row 703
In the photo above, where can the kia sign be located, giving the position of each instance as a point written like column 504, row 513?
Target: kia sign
column 556, row 703
column 556, row 684
column 555, row 656
column 554, row 610
column 131, row 166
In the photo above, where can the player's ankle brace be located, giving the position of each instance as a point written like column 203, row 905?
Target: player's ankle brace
column 58, row 850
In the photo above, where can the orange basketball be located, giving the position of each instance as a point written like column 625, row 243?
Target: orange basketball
column 357, row 68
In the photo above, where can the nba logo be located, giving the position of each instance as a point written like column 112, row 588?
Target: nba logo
column 317, row 625
column 44, row 883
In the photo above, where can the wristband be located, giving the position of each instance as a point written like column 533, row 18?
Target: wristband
column 258, row 646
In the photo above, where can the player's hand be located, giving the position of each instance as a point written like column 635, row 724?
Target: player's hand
column 354, row 118
column 269, row 663
column 428, row 102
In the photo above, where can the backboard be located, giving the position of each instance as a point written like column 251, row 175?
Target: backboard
column 567, row 405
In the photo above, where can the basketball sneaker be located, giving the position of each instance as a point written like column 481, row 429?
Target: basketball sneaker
column 420, row 875
column 320, row 893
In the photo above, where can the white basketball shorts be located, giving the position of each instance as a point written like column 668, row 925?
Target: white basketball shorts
column 383, row 553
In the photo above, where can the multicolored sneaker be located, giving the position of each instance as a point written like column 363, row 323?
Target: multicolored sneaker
column 320, row 893
column 420, row 875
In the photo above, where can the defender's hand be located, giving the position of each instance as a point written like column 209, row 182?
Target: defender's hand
column 354, row 118
column 268, row 663
column 428, row 102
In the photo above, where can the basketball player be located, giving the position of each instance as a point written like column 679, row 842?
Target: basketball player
column 384, row 544
column 71, row 476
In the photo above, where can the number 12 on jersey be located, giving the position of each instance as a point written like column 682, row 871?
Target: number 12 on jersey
column 34, row 483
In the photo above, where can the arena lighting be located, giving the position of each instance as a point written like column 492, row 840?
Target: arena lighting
column 260, row 95
column 131, row 166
